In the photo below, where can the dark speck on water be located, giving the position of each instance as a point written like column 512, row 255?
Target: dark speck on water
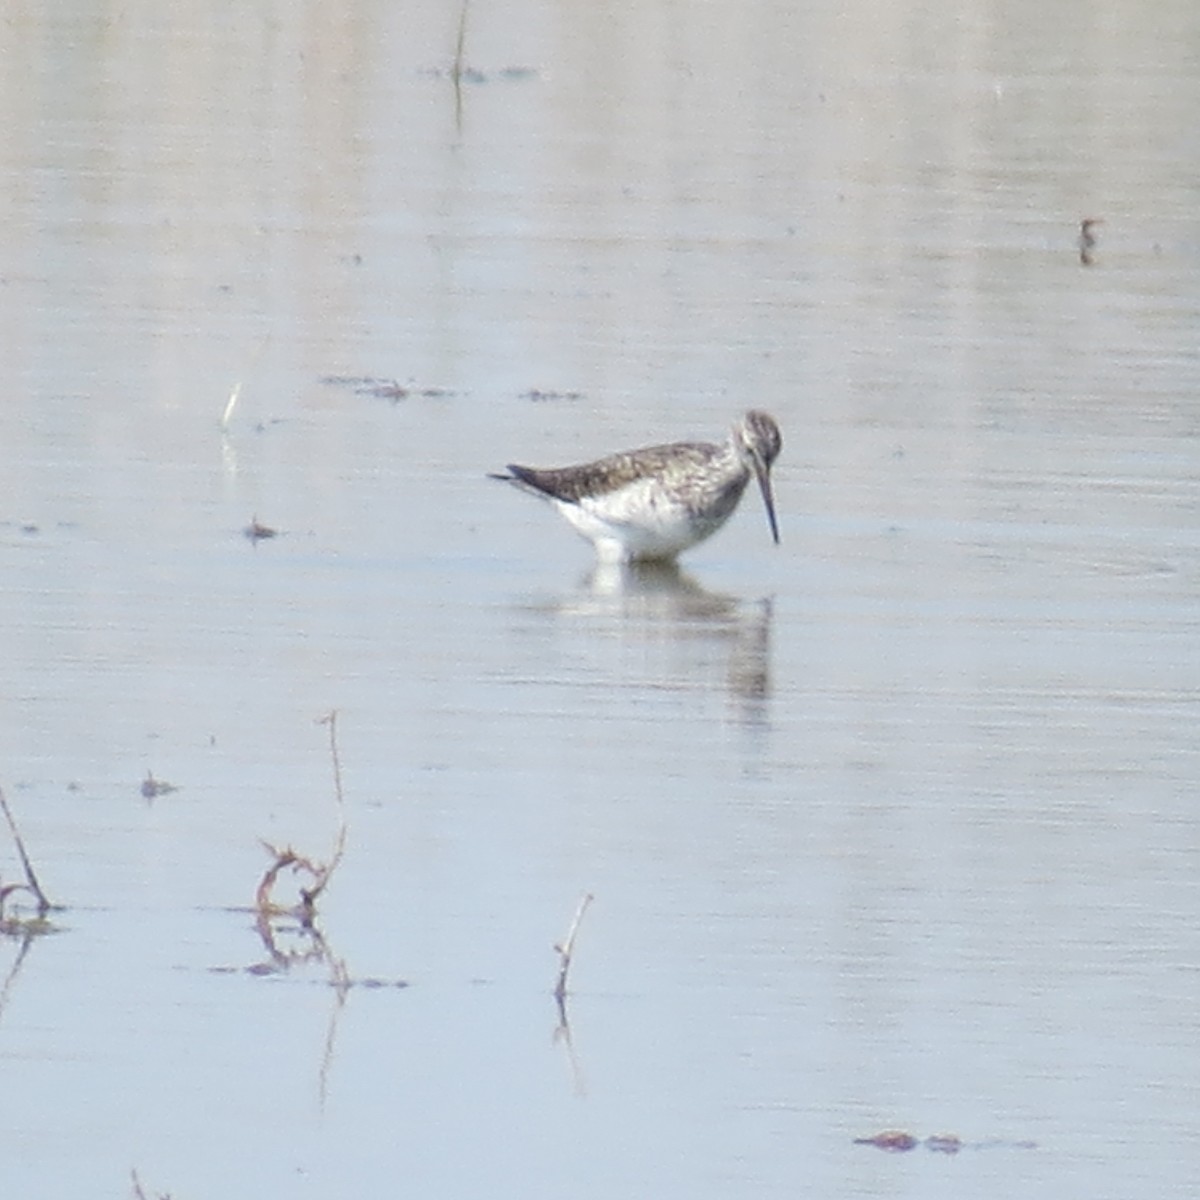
column 152, row 787
column 538, row 395
column 385, row 389
column 256, row 531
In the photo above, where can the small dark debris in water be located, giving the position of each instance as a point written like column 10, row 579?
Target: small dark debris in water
column 475, row 76
column 256, row 532
column 354, row 381
column 275, row 970
column 1087, row 239
column 385, row 389
column 371, row 983
column 30, row 529
column 538, row 395
column 152, row 787
column 895, row 1140
column 944, row 1143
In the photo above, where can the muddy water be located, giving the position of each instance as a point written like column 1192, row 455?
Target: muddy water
column 891, row 827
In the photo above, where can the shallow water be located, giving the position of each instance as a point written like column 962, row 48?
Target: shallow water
column 890, row 827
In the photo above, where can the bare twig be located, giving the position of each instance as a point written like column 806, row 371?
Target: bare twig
column 281, row 859
column 306, row 942
column 140, row 1193
column 310, row 895
column 320, row 873
column 567, row 948
column 456, row 68
column 334, row 756
column 44, row 904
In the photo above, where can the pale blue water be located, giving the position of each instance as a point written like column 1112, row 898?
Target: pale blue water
column 890, row 827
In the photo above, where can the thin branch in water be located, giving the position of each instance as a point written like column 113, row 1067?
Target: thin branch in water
column 140, row 1193
column 567, row 948
column 339, row 850
column 281, row 859
column 44, row 904
column 456, row 68
column 334, row 756
column 306, row 943
column 320, row 873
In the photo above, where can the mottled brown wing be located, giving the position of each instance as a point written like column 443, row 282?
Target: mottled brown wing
column 573, row 484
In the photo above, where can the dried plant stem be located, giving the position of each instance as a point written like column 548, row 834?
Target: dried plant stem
column 567, row 947
column 44, row 904
column 456, row 68
column 139, row 1192
column 310, row 896
column 334, row 757
column 320, row 873
column 460, row 47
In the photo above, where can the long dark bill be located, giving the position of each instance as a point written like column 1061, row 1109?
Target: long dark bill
column 763, row 475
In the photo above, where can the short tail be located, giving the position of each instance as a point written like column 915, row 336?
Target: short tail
column 523, row 477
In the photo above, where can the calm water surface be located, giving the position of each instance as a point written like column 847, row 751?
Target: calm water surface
column 893, row 826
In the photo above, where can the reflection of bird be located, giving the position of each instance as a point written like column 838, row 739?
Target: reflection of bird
column 1087, row 239
column 652, row 504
